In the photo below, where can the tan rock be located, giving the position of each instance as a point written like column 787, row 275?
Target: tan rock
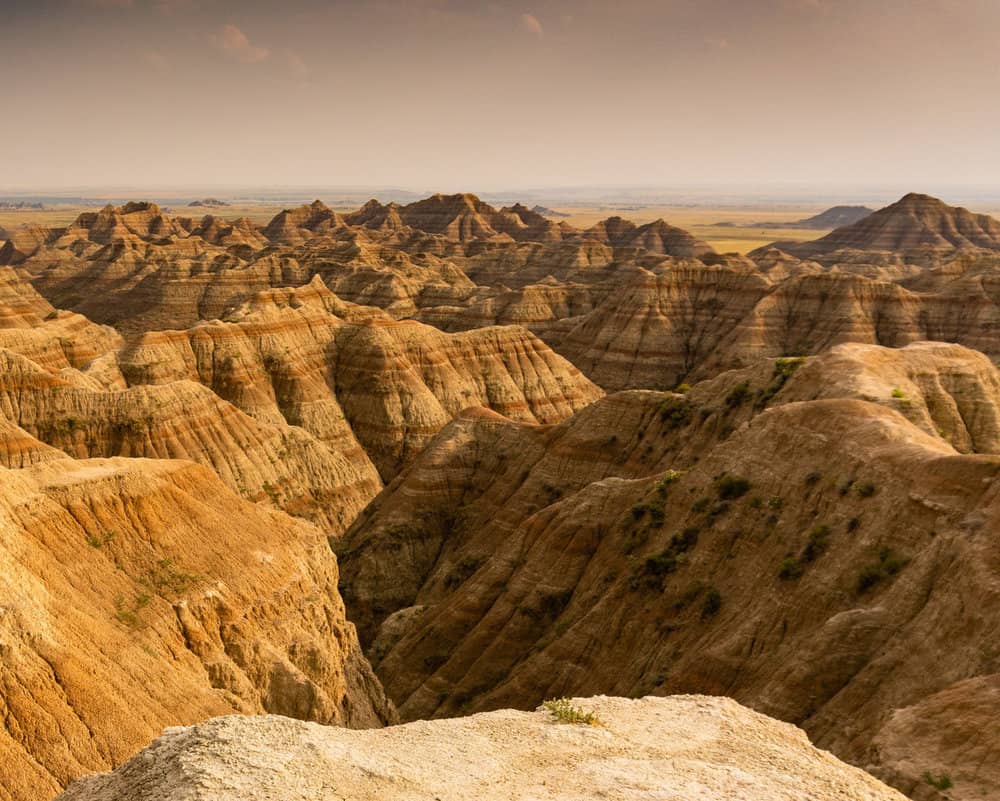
column 683, row 748
column 140, row 594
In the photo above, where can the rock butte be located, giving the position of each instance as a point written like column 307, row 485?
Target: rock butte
column 686, row 748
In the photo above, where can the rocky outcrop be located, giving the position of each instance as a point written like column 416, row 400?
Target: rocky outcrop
column 351, row 375
column 916, row 222
column 811, row 559
column 20, row 305
column 264, row 461
column 656, row 237
column 683, row 748
column 946, row 390
column 141, row 594
column 662, row 324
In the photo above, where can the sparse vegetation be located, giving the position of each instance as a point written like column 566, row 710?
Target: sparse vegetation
column 100, row 540
column 813, row 478
column 783, row 370
column 662, row 564
column 816, row 545
column 789, row 569
column 712, row 604
column 738, row 395
column 940, row 782
column 731, row 487
column 462, row 572
column 563, row 711
column 886, row 565
column 683, row 389
column 864, row 489
column 675, row 412
column 898, row 393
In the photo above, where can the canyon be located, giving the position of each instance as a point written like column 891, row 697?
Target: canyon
column 442, row 461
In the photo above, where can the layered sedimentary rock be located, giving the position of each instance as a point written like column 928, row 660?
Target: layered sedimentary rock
column 656, row 237
column 352, row 375
column 946, row 390
column 263, row 461
column 662, row 324
column 140, row 594
column 915, row 222
column 814, row 560
column 685, row 748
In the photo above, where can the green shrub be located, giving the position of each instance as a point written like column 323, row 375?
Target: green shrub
column 816, row 544
column 789, row 569
column 738, row 395
column 783, row 370
column 731, row 487
column 865, row 489
column 898, row 393
column 813, row 478
column 940, row 782
column 712, row 603
column 564, row 712
column 887, row 564
column 675, row 412
column 683, row 389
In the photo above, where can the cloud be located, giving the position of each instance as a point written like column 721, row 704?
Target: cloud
column 296, row 65
column 156, row 60
column 234, row 42
column 531, row 24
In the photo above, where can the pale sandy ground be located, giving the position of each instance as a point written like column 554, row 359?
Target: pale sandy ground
column 682, row 748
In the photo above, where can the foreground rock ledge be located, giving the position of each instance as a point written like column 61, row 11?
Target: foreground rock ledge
column 678, row 748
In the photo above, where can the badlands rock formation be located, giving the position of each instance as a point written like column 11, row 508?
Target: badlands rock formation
column 805, row 530
column 686, row 748
column 351, row 375
column 915, row 222
column 813, row 559
column 918, row 269
column 139, row 594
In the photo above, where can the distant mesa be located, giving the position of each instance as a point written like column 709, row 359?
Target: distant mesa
column 544, row 211
column 208, row 201
column 914, row 223
column 21, row 204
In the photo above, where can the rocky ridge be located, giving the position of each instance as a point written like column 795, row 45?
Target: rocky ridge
column 144, row 593
column 799, row 556
column 682, row 748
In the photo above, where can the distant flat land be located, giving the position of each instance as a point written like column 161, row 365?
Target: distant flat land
column 700, row 221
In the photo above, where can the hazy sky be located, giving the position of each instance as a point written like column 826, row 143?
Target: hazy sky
column 453, row 94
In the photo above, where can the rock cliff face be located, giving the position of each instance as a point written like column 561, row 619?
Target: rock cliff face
column 811, row 559
column 140, row 594
column 683, row 748
column 270, row 462
column 352, row 375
